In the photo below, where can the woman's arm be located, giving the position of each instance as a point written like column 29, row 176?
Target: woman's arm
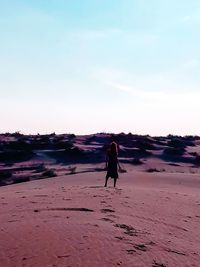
column 118, row 164
column 106, row 165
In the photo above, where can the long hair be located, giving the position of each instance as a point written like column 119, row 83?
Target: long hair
column 113, row 149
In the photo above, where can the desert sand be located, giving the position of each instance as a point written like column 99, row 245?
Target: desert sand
column 56, row 212
column 150, row 219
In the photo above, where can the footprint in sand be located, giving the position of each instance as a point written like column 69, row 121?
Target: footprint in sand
column 63, row 256
column 125, row 204
column 155, row 264
column 65, row 209
column 141, row 247
column 120, row 237
column 129, row 230
column 175, row 251
column 108, row 206
column 97, row 186
column 151, row 243
column 107, row 220
column 106, row 210
column 41, row 196
column 97, row 196
column 131, row 251
column 113, row 216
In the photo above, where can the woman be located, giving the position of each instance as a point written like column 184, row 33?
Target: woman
column 112, row 163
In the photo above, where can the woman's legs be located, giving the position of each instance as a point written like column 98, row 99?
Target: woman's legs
column 115, row 180
column 106, row 181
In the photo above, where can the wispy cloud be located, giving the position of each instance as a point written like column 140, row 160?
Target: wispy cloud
column 192, row 18
column 192, row 63
column 89, row 34
column 159, row 90
column 182, row 77
column 158, row 99
column 136, row 38
column 121, row 87
column 186, row 18
column 28, row 15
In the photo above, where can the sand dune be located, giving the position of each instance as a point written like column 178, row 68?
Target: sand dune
column 150, row 219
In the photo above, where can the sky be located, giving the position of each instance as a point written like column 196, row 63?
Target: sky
column 87, row 66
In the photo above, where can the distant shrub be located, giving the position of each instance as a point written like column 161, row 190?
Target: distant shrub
column 5, row 175
column 8, row 164
column 40, row 168
column 71, row 136
column 144, row 153
column 171, row 151
column 173, row 164
column 181, row 141
column 105, row 147
column 136, row 161
column 90, row 139
column 134, row 153
column 155, row 170
column 197, row 159
column 18, row 145
column 49, row 173
column 122, row 170
column 171, row 136
column 159, row 140
column 191, row 137
column 21, row 180
column 63, row 145
column 176, row 143
column 189, row 143
column 39, row 145
column 17, row 134
column 44, row 138
column 7, row 134
column 75, row 152
column 15, row 155
column 72, row 169
column 145, row 145
column 58, row 138
column 193, row 154
column 117, row 137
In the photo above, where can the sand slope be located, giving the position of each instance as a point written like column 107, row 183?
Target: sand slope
column 149, row 220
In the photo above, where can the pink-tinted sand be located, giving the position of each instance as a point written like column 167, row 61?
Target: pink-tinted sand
column 150, row 219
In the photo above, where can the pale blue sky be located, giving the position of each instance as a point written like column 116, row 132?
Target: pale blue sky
column 88, row 66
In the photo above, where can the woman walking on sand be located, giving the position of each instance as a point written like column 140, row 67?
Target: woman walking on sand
column 112, row 163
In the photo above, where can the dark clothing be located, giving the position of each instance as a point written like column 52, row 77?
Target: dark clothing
column 112, row 166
